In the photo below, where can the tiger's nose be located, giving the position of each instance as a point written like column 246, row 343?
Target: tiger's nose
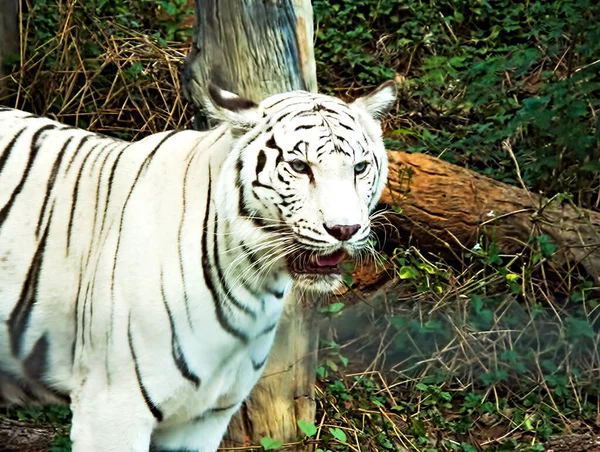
column 342, row 232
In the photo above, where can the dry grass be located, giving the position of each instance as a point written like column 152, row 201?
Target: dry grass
column 130, row 87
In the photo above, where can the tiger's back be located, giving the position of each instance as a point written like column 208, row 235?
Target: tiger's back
column 74, row 185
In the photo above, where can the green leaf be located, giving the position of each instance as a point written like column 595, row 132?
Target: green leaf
column 512, row 277
column 407, row 272
column 333, row 366
column 547, row 248
column 428, row 268
column 335, row 307
column 270, row 443
column 348, row 279
column 343, row 360
column 308, row 428
column 338, row 434
column 404, row 132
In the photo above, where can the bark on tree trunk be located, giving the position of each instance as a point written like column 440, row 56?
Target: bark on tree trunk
column 445, row 206
column 258, row 48
column 9, row 36
column 17, row 436
column 253, row 48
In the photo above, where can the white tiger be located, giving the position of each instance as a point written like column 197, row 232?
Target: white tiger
column 142, row 283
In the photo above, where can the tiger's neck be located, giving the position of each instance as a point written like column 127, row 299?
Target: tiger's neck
column 246, row 248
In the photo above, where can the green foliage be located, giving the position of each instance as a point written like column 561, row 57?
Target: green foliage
column 55, row 414
column 270, row 444
column 308, row 428
column 478, row 77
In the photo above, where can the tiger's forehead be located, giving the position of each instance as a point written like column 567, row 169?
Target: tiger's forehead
column 298, row 102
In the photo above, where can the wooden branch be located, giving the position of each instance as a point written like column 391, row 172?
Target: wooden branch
column 17, row 436
column 456, row 205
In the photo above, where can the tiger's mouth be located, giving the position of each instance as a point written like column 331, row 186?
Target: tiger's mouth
column 309, row 263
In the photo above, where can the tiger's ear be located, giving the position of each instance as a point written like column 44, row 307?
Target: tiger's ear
column 228, row 107
column 380, row 101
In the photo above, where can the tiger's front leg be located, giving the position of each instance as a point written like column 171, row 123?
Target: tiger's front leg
column 202, row 434
column 109, row 418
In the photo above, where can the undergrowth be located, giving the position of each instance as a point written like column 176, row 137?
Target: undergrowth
column 490, row 354
column 110, row 66
column 475, row 73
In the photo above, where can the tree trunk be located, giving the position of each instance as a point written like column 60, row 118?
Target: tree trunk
column 445, row 207
column 257, row 48
column 253, row 48
column 9, row 37
column 17, row 436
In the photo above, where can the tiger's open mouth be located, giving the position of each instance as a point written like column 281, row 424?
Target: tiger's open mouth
column 309, row 263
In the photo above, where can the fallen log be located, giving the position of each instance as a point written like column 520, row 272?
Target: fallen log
column 446, row 208
column 18, row 436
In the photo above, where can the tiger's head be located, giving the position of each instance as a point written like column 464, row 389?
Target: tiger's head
column 310, row 169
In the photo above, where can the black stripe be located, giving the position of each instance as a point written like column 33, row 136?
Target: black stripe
column 75, row 196
column 109, row 187
column 212, row 411
column 76, row 151
column 208, row 277
column 19, row 317
column 325, row 143
column 96, row 207
column 225, row 288
column 242, row 281
column 260, row 162
column 35, row 365
column 305, row 127
column 99, row 154
column 284, row 99
column 180, row 243
column 86, row 297
column 8, row 149
column 32, row 154
column 50, row 185
column 260, row 364
column 340, row 149
column 149, row 403
column 176, row 351
column 224, row 408
column 75, row 319
column 269, row 328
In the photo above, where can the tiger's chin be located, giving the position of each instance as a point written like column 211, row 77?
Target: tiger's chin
column 318, row 283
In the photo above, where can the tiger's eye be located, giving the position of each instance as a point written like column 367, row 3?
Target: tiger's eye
column 300, row 167
column 361, row 167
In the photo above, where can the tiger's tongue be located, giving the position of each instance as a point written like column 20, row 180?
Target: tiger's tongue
column 330, row 260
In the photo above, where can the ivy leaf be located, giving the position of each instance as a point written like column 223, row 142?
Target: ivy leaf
column 407, row 272
column 270, row 443
column 308, row 428
column 338, row 434
column 343, row 360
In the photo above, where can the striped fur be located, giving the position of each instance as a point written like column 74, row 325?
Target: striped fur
column 142, row 282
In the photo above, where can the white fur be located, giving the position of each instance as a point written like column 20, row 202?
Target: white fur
column 130, row 288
